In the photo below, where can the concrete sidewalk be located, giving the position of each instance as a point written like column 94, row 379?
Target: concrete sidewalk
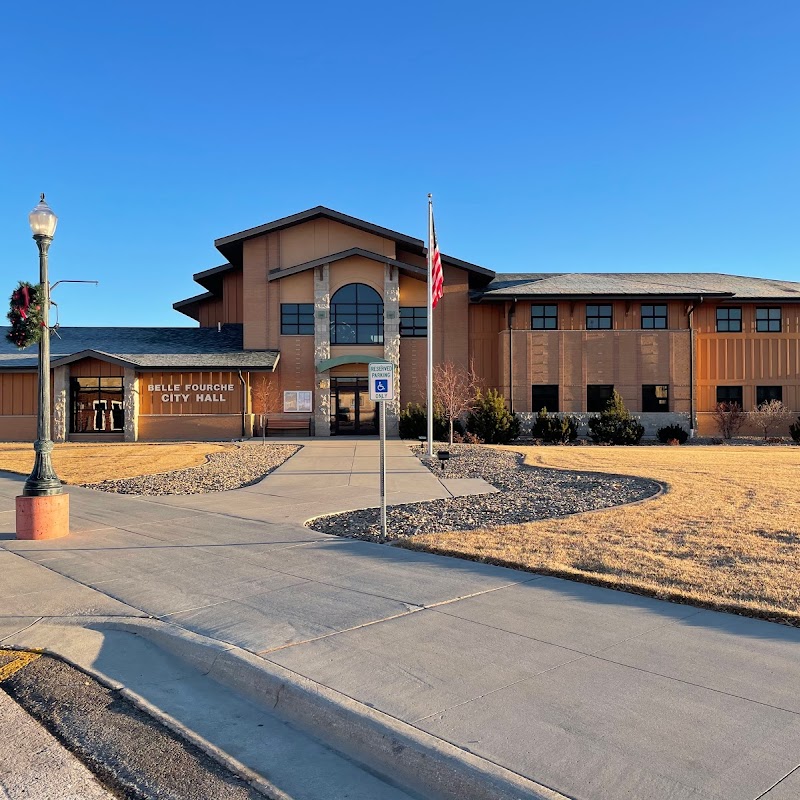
column 594, row 693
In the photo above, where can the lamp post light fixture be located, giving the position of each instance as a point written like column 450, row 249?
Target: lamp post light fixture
column 43, row 480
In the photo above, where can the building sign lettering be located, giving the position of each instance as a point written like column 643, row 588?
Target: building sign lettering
column 180, row 393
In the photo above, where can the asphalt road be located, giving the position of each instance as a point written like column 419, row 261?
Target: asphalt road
column 129, row 753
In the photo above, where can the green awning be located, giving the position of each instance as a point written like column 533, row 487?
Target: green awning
column 355, row 358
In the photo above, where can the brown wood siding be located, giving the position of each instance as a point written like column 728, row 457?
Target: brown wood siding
column 95, row 368
column 151, row 402
column 451, row 320
column 19, row 393
column 748, row 359
column 210, row 312
column 485, row 324
column 225, row 309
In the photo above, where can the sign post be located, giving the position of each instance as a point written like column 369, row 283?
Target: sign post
column 381, row 389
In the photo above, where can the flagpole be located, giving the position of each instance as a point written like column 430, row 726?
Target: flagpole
column 430, row 327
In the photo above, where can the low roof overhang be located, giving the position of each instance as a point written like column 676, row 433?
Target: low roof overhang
column 350, row 358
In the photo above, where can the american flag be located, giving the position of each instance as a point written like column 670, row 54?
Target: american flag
column 437, row 277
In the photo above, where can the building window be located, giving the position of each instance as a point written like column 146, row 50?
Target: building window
column 768, row 320
column 729, row 320
column 356, row 315
column 598, row 395
column 766, row 393
column 544, row 318
column 598, row 317
column 730, row 395
column 297, row 319
column 544, row 396
column 654, row 317
column 655, row 397
column 97, row 405
column 413, row 321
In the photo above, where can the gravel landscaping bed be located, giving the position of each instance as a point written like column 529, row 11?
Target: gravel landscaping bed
column 245, row 465
column 526, row 494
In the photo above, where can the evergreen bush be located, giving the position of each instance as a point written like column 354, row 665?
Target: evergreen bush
column 794, row 429
column 669, row 432
column 615, row 425
column 491, row 421
column 413, row 423
column 554, row 429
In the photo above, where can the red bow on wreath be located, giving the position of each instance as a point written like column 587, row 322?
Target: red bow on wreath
column 26, row 302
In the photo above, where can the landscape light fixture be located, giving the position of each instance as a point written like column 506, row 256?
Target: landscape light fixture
column 43, row 480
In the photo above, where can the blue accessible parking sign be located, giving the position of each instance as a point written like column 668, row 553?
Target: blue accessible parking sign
column 381, row 381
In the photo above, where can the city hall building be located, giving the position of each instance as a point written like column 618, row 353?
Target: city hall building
column 309, row 300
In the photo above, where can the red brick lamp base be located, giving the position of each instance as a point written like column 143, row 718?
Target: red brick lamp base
column 43, row 517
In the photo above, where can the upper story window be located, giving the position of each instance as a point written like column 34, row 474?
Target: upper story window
column 598, row 317
column 654, row 316
column 729, row 319
column 297, row 319
column 544, row 318
column 768, row 320
column 356, row 315
column 413, row 321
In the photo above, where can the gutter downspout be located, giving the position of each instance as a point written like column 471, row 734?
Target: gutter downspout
column 692, row 420
column 512, row 311
column 244, row 403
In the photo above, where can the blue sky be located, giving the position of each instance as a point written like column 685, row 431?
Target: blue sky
column 580, row 136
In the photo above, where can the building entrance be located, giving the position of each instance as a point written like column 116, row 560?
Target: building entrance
column 352, row 412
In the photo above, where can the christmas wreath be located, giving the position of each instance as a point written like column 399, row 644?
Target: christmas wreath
column 25, row 315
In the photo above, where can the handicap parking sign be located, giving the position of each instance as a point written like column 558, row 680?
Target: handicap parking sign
column 381, row 381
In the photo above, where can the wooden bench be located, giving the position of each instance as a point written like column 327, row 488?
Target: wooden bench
column 287, row 425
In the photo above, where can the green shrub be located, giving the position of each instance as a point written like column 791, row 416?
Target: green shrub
column 554, row 429
column 794, row 429
column 491, row 420
column 413, row 423
column 615, row 425
column 669, row 432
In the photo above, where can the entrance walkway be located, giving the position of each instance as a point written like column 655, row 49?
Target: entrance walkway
column 595, row 693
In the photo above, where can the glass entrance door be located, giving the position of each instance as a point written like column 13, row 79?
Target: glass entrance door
column 346, row 420
column 353, row 413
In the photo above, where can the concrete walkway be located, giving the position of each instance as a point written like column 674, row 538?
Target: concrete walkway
column 594, row 693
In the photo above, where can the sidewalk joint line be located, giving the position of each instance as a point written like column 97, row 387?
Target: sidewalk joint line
column 774, row 785
column 21, row 630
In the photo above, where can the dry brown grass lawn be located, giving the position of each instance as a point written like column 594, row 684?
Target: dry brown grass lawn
column 725, row 535
column 91, row 463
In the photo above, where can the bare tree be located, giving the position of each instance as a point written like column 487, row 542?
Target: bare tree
column 769, row 414
column 264, row 399
column 454, row 390
column 729, row 418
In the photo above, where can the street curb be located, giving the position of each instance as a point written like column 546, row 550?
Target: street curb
column 258, row 782
column 395, row 749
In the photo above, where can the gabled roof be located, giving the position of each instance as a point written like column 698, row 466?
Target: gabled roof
column 146, row 348
column 231, row 246
column 191, row 305
column 638, row 284
column 274, row 274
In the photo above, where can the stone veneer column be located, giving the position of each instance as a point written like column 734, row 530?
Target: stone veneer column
column 130, row 388
column 391, row 341
column 60, row 403
column 322, row 350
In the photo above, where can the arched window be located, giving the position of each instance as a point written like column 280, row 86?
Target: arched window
column 356, row 315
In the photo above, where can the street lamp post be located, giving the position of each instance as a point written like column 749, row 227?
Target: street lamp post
column 43, row 480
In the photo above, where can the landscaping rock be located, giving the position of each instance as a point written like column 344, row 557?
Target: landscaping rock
column 525, row 494
column 232, row 469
